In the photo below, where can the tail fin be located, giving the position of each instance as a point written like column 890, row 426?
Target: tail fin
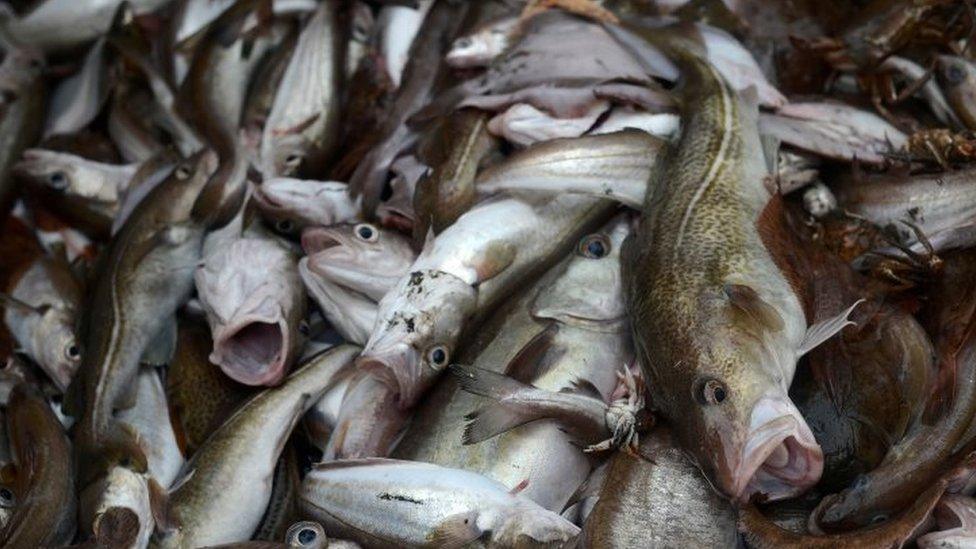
column 498, row 417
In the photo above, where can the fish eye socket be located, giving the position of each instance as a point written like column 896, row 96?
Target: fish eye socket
column 305, row 534
column 293, row 160
column 954, row 74
column 594, row 246
column 285, row 226
column 465, row 42
column 879, row 518
column 438, row 356
column 182, row 172
column 72, row 352
column 7, row 498
column 711, row 391
column 303, row 328
column 58, row 180
column 367, row 232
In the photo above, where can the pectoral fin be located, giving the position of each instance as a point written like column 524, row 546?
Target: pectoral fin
column 747, row 301
column 456, row 531
column 497, row 258
column 825, row 329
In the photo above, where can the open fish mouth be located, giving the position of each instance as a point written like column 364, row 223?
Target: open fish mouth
column 252, row 352
column 781, row 458
column 397, row 367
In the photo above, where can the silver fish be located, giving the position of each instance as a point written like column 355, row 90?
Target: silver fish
column 77, row 100
column 291, row 205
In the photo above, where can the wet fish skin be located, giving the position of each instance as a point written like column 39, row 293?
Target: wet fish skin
column 44, row 482
column 43, row 319
column 292, row 205
column 116, row 509
column 235, row 465
column 392, row 503
column 351, row 314
column 255, row 304
column 145, row 274
column 957, row 77
column 77, row 100
column 655, row 498
column 302, row 128
column 22, row 114
column 716, row 365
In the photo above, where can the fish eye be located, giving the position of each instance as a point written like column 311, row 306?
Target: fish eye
column 304, row 534
column 711, row 391
column 367, row 232
column 303, row 328
column 879, row 518
column 464, row 42
column 182, row 172
column 285, row 226
column 594, row 246
column 7, row 498
column 72, row 352
column 293, row 160
column 58, row 180
column 438, row 356
column 954, row 74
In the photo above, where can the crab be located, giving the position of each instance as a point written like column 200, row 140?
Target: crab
column 626, row 416
column 904, row 271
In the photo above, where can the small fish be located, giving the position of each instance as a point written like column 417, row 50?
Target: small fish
column 233, row 469
column 413, row 504
column 43, row 478
column 302, row 128
column 957, row 77
column 291, row 205
column 255, row 304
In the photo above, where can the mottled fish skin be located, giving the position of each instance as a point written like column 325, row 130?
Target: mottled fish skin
column 44, row 481
column 719, row 369
column 303, row 125
column 21, row 114
column 145, row 274
column 234, row 467
column 392, row 503
column 658, row 498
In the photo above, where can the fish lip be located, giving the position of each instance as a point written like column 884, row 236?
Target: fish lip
column 316, row 240
column 396, row 367
column 804, row 457
column 232, row 360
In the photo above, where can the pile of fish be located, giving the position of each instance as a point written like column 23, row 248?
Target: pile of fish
column 499, row 273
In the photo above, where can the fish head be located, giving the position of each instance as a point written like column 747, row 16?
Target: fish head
column 591, row 289
column 362, row 257
column 955, row 73
column 291, row 205
column 57, row 345
column 736, row 417
column 284, row 152
column 525, row 525
column 416, row 332
column 253, row 295
column 479, row 48
column 66, row 174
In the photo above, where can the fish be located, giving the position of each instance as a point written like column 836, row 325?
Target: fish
column 392, row 503
column 761, row 533
column 292, row 205
column 616, row 165
column 955, row 515
column 931, row 92
column 362, row 257
column 77, row 100
column 482, row 46
column 957, row 78
column 116, row 509
column 658, row 497
column 200, row 396
column 195, row 16
column 56, row 26
column 449, row 189
column 41, row 309
column 565, row 331
column 834, row 130
column 350, row 313
column 21, row 113
column 212, row 99
column 916, row 461
column 421, row 72
column 43, row 477
column 85, row 192
column 149, row 418
column 460, row 275
column 523, row 124
column 144, row 275
column 130, row 114
column 283, row 504
column 234, row 467
column 255, row 304
column 302, row 128
column 716, row 324
column 369, row 422
column 398, row 27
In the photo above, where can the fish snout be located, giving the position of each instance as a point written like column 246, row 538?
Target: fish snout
column 397, row 367
column 252, row 351
column 780, row 458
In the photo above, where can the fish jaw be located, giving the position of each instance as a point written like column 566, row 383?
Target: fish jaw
column 416, row 330
column 307, row 202
column 780, row 458
column 370, row 266
column 252, row 350
column 513, row 525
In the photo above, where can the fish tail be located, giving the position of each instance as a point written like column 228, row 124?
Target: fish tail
column 498, row 417
column 486, row 383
